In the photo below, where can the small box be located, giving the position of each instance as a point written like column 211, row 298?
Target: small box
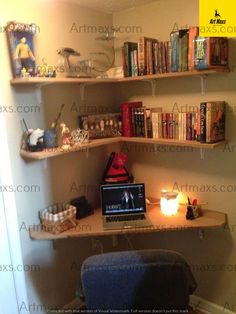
column 58, row 218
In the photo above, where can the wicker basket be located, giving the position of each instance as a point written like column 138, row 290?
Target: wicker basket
column 58, row 218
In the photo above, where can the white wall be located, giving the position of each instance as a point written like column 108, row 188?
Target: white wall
column 54, row 284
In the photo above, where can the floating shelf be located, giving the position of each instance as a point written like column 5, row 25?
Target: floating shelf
column 170, row 142
column 49, row 153
column 67, row 80
column 92, row 225
column 58, row 151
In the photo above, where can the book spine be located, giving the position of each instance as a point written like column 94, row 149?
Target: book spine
column 202, row 53
column 125, row 60
column 203, row 122
column 174, row 38
column 142, row 56
column 198, row 124
column 159, row 125
column 193, row 32
column 189, row 126
column 148, row 123
column 155, row 57
column 164, row 125
column 135, row 63
column 184, row 123
column 126, row 123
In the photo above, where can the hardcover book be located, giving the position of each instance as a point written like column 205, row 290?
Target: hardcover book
column 203, row 122
column 193, row 33
column 215, row 121
column 127, row 49
column 183, row 50
column 174, row 39
column 142, row 54
column 127, row 111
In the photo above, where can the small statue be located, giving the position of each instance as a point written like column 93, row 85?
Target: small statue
column 65, row 136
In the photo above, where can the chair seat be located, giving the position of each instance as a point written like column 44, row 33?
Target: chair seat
column 137, row 280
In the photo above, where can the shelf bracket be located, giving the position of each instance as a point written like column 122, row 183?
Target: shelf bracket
column 54, row 244
column 203, row 79
column 153, row 86
column 201, row 233
column 202, row 153
column 82, row 92
column 114, row 240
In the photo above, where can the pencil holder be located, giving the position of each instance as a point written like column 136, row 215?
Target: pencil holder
column 193, row 212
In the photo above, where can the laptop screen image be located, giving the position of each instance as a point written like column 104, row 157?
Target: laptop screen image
column 120, row 199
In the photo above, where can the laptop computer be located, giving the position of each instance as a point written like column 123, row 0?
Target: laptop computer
column 124, row 206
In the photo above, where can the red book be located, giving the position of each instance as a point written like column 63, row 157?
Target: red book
column 193, row 32
column 126, row 110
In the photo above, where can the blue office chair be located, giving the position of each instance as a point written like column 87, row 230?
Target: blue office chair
column 148, row 280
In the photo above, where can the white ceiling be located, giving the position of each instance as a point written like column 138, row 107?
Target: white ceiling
column 110, row 6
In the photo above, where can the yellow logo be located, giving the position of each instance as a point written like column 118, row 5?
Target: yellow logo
column 217, row 18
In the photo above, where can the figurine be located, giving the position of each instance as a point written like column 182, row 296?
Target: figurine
column 65, row 136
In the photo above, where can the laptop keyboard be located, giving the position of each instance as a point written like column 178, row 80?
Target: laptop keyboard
column 125, row 218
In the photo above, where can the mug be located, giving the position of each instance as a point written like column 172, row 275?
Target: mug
column 35, row 142
column 50, row 138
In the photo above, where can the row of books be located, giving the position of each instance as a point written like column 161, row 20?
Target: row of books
column 206, row 125
column 185, row 51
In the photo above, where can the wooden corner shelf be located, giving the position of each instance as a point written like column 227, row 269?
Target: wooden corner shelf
column 68, row 80
column 58, row 80
column 172, row 142
column 58, row 151
column 92, row 225
column 174, row 75
column 54, row 152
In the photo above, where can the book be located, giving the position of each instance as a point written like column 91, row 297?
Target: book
column 202, row 138
column 201, row 53
column 149, row 123
column 183, row 50
column 215, row 121
column 127, row 50
column 193, row 33
column 156, row 119
column 174, row 39
column 210, row 52
column 127, row 119
column 218, row 51
column 142, row 54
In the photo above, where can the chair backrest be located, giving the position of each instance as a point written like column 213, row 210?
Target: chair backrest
column 137, row 280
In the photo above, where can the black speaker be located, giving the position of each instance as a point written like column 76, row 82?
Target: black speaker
column 83, row 208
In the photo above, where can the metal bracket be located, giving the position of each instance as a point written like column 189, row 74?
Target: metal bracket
column 201, row 233
column 114, row 240
column 202, row 153
column 153, row 86
column 203, row 79
column 54, row 244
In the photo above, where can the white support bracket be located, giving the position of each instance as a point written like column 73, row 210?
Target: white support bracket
column 114, row 240
column 203, row 79
column 153, row 86
column 201, row 233
column 202, row 153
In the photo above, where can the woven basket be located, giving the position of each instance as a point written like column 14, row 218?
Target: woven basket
column 58, row 218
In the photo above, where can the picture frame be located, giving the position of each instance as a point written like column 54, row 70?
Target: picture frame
column 20, row 38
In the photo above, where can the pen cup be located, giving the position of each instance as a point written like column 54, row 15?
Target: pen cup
column 193, row 212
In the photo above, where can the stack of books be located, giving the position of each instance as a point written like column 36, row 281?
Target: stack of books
column 185, row 51
column 206, row 125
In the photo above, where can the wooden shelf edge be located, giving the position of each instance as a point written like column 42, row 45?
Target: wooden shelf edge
column 60, row 151
column 68, row 80
column 54, row 152
column 217, row 220
column 170, row 142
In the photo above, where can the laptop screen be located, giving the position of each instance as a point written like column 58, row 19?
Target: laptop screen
column 120, row 199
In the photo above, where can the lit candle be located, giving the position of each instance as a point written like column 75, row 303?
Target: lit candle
column 169, row 203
